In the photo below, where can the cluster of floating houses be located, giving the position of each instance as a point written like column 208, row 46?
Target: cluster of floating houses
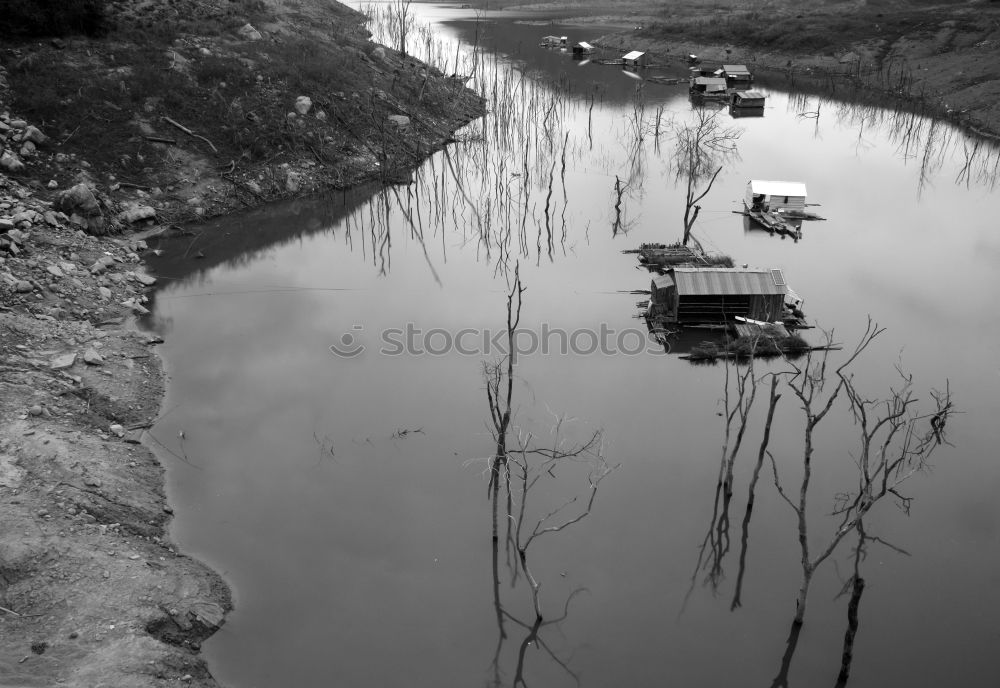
column 728, row 83
column 753, row 310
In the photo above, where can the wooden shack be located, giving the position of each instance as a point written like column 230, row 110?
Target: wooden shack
column 583, row 48
column 748, row 99
column 635, row 59
column 708, row 87
column 775, row 196
column 746, row 103
column 737, row 75
column 695, row 296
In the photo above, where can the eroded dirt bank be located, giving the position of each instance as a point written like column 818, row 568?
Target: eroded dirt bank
column 92, row 592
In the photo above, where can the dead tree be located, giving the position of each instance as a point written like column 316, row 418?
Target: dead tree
column 896, row 440
column 400, row 22
column 701, row 149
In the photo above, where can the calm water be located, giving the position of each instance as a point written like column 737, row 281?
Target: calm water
column 346, row 500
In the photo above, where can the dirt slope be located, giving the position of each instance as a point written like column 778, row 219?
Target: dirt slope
column 181, row 112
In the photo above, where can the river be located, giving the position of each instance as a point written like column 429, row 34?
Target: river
column 345, row 496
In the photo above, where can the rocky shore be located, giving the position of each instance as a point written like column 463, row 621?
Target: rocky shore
column 92, row 591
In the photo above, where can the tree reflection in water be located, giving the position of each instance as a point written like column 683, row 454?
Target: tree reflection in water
column 521, row 462
column 896, row 436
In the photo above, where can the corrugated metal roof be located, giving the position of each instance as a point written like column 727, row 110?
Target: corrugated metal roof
column 709, row 81
column 735, row 69
column 726, row 281
column 585, row 45
column 778, row 188
column 663, row 281
column 747, row 95
column 634, row 55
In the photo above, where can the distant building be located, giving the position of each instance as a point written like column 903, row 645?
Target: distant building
column 775, row 196
column 583, row 48
column 746, row 103
column 737, row 75
column 708, row 87
column 635, row 59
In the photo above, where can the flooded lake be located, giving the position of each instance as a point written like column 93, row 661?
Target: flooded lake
column 345, row 492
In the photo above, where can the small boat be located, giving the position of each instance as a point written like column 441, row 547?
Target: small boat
column 773, row 221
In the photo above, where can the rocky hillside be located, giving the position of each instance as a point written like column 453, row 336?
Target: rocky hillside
column 165, row 112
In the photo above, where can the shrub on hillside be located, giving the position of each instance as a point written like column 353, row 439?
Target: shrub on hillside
column 54, row 17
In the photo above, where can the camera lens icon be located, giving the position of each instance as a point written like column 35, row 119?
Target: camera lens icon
column 350, row 345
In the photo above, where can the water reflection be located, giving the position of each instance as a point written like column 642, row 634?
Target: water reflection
column 905, row 123
column 896, row 433
column 520, row 464
column 293, row 489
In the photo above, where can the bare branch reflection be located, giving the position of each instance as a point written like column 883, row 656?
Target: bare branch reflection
column 523, row 461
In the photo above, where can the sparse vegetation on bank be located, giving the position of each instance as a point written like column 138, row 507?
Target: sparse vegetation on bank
column 54, row 17
column 151, row 114
column 274, row 112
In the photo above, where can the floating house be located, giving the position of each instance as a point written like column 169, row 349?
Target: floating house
column 746, row 103
column 555, row 41
column 715, row 296
column 775, row 196
column 709, row 87
column 737, row 75
column 635, row 59
column 583, row 48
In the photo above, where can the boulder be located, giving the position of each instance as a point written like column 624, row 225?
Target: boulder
column 82, row 207
column 63, row 362
column 249, row 33
column 34, row 135
column 401, row 121
column 137, row 213
column 9, row 162
column 303, row 104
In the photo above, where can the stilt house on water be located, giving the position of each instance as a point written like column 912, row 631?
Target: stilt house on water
column 700, row 296
column 775, row 196
column 635, row 59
